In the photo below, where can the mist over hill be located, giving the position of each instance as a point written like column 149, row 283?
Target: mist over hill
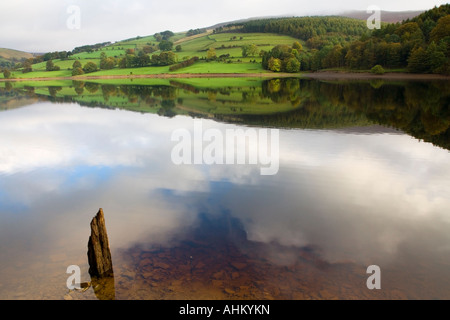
column 386, row 16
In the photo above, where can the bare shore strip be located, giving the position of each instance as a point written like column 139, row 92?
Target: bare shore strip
column 326, row 75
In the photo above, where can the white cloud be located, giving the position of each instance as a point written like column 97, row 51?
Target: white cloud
column 41, row 25
column 353, row 196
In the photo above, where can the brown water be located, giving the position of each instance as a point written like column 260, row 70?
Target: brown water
column 342, row 200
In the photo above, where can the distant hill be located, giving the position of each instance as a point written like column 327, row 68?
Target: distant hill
column 10, row 54
column 386, row 16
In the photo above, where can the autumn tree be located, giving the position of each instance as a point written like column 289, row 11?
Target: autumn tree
column 282, row 58
column 418, row 61
column 437, row 58
column 78, row 71
column 148, row 49
column 163, row 59
column 141, row 60
column 76, row 64
column 107, row 63
column 90, row 67
column 165, row 45
column 274, row 64
column 377, row 70
column 211, row 54
column 6, row 74
column 249, row 50
column 50, row 66
column 297, row 46
column 441, row 30
column 292, row 65
column 27, row 66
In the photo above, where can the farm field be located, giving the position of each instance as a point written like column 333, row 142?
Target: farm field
column 227, row 45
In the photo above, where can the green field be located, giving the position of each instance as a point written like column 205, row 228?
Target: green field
column 231, row 43
column 226, row 44
column 40, row 74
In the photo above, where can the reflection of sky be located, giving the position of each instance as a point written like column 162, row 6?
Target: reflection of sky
column 353, row 196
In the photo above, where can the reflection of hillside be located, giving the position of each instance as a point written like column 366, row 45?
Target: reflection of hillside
column 311, row 115
column 10, row 99
column 420, row 109
column 373, row 129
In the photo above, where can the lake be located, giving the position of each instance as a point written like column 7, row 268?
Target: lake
column 362, row 178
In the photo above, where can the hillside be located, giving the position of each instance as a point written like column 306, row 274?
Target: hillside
column 10, row 54
column 220, row 50
column 254, row 46
column 8, row 57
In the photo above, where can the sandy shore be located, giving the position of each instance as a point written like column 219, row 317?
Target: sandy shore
column 315, row 75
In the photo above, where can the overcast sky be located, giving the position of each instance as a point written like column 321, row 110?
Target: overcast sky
column 42, row 25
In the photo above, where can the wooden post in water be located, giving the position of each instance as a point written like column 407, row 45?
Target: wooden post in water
column 99, row 254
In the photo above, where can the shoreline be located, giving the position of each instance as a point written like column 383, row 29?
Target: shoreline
column 334, row 75
column 321, row 75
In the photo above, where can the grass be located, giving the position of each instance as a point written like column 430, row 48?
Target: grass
column 130, row 71
column 139, row 43
column 63, row 64
column 259, row 39
column 112, row 51
column 225, row 44
column 222, row 67
column 41, row 74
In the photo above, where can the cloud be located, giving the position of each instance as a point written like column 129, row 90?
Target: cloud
column 40, row 26
column 353, row 196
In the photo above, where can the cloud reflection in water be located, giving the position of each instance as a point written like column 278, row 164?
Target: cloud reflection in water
column 354, row 197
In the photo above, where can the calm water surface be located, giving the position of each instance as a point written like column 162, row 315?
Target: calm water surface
column 345, row 197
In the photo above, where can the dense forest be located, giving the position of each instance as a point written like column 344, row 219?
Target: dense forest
column 311, row 29
column 421, row 44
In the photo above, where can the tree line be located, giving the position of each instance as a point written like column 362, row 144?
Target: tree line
column 313, row 29
column 193, row 32
column 184, row 64
column 420, row 45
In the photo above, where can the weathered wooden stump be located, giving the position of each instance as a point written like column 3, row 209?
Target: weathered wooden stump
column 99, row 254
